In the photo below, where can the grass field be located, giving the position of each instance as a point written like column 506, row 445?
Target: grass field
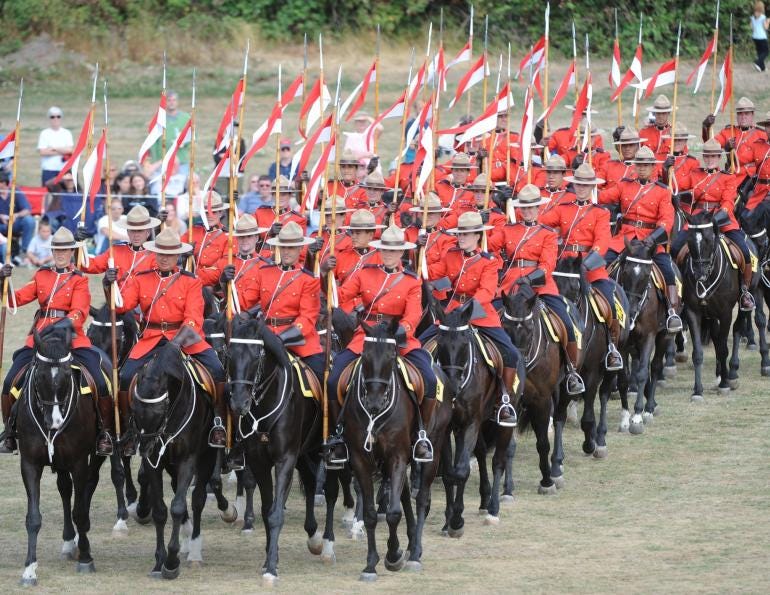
column 682, row 508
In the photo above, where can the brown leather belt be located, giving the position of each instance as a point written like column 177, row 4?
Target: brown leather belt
column 462, row 297
column 706, row 204
column 765, row 181
column 523, row 263
column 52, row 313
column 576, row 248
column 641, row 224
column 274, row 321
column 380, row 317
column 164, row 326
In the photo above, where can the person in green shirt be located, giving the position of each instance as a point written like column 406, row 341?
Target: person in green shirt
column 175, row 122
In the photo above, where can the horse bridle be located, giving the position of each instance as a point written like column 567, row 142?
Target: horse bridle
column 121, row 339
column 642, row 297
column 531, row 357
column 466, row 368
column 390, row 393
column 702, row 291
column 258, row 386
column 68, row 404
column 764, row 257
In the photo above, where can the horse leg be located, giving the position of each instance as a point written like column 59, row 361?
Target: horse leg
column 605, row 388
column 320, row 482
column 69, row 545
column 131, row 493
column 760, row 319
column 588, row 421
column 642, row 375
column 31, row 475
column 227, row 511
column 395, row 558
column 118, row 476
column 464, row 442
column 184, row 477
column 331, row 492
column 411, row 524
column 503, row 438
column 348, row 502
column 697, row 354
column 247, row 484
column 662, row 342
column 480, row 452
column 448, row 480
column 727, row 382
column 205, row 467
column 742, row 320
column 508, row 483
column 557, row 457
column 154, row 478
column 284, row 470
column 540, row 412
column 80, row 514
column 143, row 507
column 364, row 471
column 625, row 414
column 308, row 477
column 264, row 478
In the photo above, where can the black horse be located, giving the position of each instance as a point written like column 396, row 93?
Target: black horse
column 57, row 427
column 172, row 415
column 572, row 283
column 279, row 429
column 711, row 290
column 522, row 320
column 100, row 334
column 474, row 385
column 649, row 341
column 756, row 224
column 380, row 420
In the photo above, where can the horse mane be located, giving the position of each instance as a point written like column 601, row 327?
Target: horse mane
column 573, row 264
column 214, row 324
column 55, row 340
column 169, row 360
column 251, row 327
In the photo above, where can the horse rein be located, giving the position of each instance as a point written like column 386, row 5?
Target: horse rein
column 466, row 368
column 390, row 393
column 702, row 291
column 530, row 359
column 641, row 296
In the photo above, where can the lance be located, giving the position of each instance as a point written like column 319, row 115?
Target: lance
column 590, row 138
column 437, row 80
column 508, row 131
column 190, row 178
column 545, row 62
column 403, row 129
column 714, row 64
column 577, row 78
column 733, row 164
column 530, row 96
column 491, row 155
column 673, row 105
column 638, row 92
column 425, row 63
column 470, row 57
column 620, row 99
column 82, row 257
column 303, row 122
column 377, row 80
column 11, row 206
column 111, row 264
column 486, row 61
column 163, row 143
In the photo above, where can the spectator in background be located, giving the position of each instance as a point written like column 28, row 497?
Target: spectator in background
column 23, row 223
column 759, row 26
column 173, row 221
column 258, row 194
column 119, row 233
column 39, row 250
column 183, row 200
column 356, row 141
column 140, row 195
column 54, row 145
column 175, row 122
column 284, row 161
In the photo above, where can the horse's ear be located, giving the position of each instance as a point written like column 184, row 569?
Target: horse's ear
column 627, row 243
column 466, row 311
column 36, row 339
column 367, row 329
column 93, row 311
column 393, row 326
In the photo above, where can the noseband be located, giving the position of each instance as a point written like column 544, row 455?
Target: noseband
column 467, row 368
column 716, row 258
column 641, row 297
column 390, row 393
column 41, row 403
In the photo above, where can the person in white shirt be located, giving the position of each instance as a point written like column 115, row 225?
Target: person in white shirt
column 54, row 145
column 759, row 26
column 119, row 233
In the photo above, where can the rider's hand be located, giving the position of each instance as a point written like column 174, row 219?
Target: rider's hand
column 316, row 246
column 275, row 229
column 163, row 215
column 6, row 271
column 329, row 264
column 709, row 121
column 110, row 276
column 228, row 273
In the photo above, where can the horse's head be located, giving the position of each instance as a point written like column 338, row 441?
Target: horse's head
column 214, row 329
column 634, row 274
column 155, row 390
column 702, row 240
column 100, row 330
column 454, row 345
column 52, row 380
column 570, row 279
column 378, row 365
column 755, row 223
column 519, row 315
column 342, row 327
column 254, row 354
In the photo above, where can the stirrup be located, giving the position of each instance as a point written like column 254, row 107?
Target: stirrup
column 333, row 459
column 581, row 387
column 106, row 453
column 505, row 403
column 673, row 322
column 217, row 426
column 234, row 461
column 8, row 446
column 422, row 437
column 747, row 293
column 612, row 350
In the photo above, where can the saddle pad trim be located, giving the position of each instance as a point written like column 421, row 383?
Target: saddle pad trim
column 306, row 392
column 620, row 313
column 723, row 241
column 483, row 349
column 595, row 308
column 551, row 331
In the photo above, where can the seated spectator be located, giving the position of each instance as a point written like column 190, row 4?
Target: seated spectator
column 140, row 195
column 122, row 186
column 23, row 223
column 258, row 194
column 356, row 141
column 66, row 202
column 173, row 221
column 39, row 250
column 183, row 200
column 119, row 233
column 284, row 161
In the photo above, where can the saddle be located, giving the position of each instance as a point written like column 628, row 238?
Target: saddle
column 599, row 304
column 410, row 374
column 309, row 385
column 555, row 326
column 199, row 373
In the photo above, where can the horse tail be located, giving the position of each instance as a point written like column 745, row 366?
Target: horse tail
column 525, row 420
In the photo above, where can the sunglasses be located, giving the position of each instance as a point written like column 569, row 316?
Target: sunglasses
column 55, row 117
column 285, row 148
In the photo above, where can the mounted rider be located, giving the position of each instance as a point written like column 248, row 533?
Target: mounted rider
column 62, row 294
column 210, row 241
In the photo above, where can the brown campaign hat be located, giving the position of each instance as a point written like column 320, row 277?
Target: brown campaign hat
column 138, row 218
column 555, row 163
column 470, row 222
column 216, row 202
column 167, row 242
column 585, row 174
column 348, row 158
column 374, row 181
column 628, row 136
column 529, row 196
column 392, row 239
column 712, row 147
column 290, row 236
column 644, row 156
column 479, row 183
column 363, row 219
column 63, row 240
column 284, row 185
column 462, row 161
column 339, row 205
column 744, row 104
column 661, row 105
column 681, row 133
column 434, row 204
column 247, row 226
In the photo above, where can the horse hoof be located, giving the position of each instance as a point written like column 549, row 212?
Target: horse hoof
column 456, row 533
column 319, row 500
column 636, row 428
column 765, row 371
column 167, row 574
column 506, row 499
column 724, row 390
column 657, row 411
column 625, row 417
column 752, row 347
column 647, row 418
column 348, row 518
column 247, row 531
column 85, row 567
column 669, row 372
column 120, row 529
column 356, row 530
column 142, row 520
column 131, row 508
column 29, row 576
column 230, row 515
column 491, row 521
column 546, row 491
column 413, row 566
column 600, row 452
column 69, row 550
column 680, row 357
column 733, row 384
column 193, row 564
column 444, row 533
column 328, row 556
column 697, row 399
column 662, row 384
column 28, row 582
column 482, row 511
column 398, row 564
column 572, row 414
column 269, row 580
column 367, row 577
column 558, row 481
column 315, row 543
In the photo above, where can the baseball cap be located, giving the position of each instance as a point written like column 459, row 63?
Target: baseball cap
column 285, row 142
column 54, row 111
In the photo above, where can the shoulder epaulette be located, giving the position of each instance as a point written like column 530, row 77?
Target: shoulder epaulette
column 77, row 272
column 264, row 207
column 370, row 266
column 628, row 180
column 187, row 273
column 661, row 184
column 308, row 272
column 269, row 265
column 599, row 150
column 410, row 273
column 487, row 255
column 548, row 228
